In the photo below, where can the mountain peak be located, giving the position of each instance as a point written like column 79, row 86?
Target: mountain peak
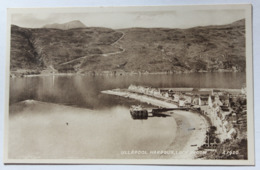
column 67, row 25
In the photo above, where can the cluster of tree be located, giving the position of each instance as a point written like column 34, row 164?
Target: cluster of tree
column 238, row 104
column 212, row 136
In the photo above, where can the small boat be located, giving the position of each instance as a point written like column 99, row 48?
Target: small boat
column 138, row 112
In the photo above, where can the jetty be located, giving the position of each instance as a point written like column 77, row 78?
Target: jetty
column 138, row 112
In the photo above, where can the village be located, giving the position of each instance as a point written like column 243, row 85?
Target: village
column 225, row 109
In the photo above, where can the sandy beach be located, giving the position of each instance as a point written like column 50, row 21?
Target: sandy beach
column 186, row 141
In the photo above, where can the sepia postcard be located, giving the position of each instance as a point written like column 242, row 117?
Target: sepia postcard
column 130, row 85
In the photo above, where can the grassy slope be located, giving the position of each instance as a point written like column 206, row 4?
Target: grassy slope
column 23, row 55
column 208, row 48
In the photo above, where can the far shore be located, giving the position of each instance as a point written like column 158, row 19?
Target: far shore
column 196, row 137
column 114, row 73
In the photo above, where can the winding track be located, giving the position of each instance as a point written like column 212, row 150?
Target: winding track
column 104, row 55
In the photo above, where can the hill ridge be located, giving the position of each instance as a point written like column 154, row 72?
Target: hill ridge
column 197, row 49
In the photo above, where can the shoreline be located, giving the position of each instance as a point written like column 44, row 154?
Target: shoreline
column 192, row 120
column 111, row 73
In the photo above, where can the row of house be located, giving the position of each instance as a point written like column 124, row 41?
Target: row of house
column 145, row 90
column 186, row 96
column 227, row 121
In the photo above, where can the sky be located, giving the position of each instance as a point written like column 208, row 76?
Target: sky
column 122, row 17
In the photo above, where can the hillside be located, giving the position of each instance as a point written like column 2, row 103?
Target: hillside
column 94, row 49
column 210, row 48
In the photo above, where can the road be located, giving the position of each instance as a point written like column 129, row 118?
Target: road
column 105, row 54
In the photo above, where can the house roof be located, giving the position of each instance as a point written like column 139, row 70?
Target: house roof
column 178, row 89
column 188, row 94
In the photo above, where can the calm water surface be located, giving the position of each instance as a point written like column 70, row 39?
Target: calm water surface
column 84, row 91
column 42, row 130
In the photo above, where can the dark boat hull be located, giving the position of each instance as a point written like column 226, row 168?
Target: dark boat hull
column 140, row 114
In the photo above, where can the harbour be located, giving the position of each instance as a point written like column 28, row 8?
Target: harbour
column 146, row 85
column 49, row 95
column 224, row 121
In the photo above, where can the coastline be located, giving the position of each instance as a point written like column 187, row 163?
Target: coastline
column 184, row 119
column 14, row 74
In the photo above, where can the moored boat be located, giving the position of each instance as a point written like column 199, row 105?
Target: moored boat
column 138, row 112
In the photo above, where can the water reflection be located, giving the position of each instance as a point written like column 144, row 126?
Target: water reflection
column 45, row 130
column 84, row 91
